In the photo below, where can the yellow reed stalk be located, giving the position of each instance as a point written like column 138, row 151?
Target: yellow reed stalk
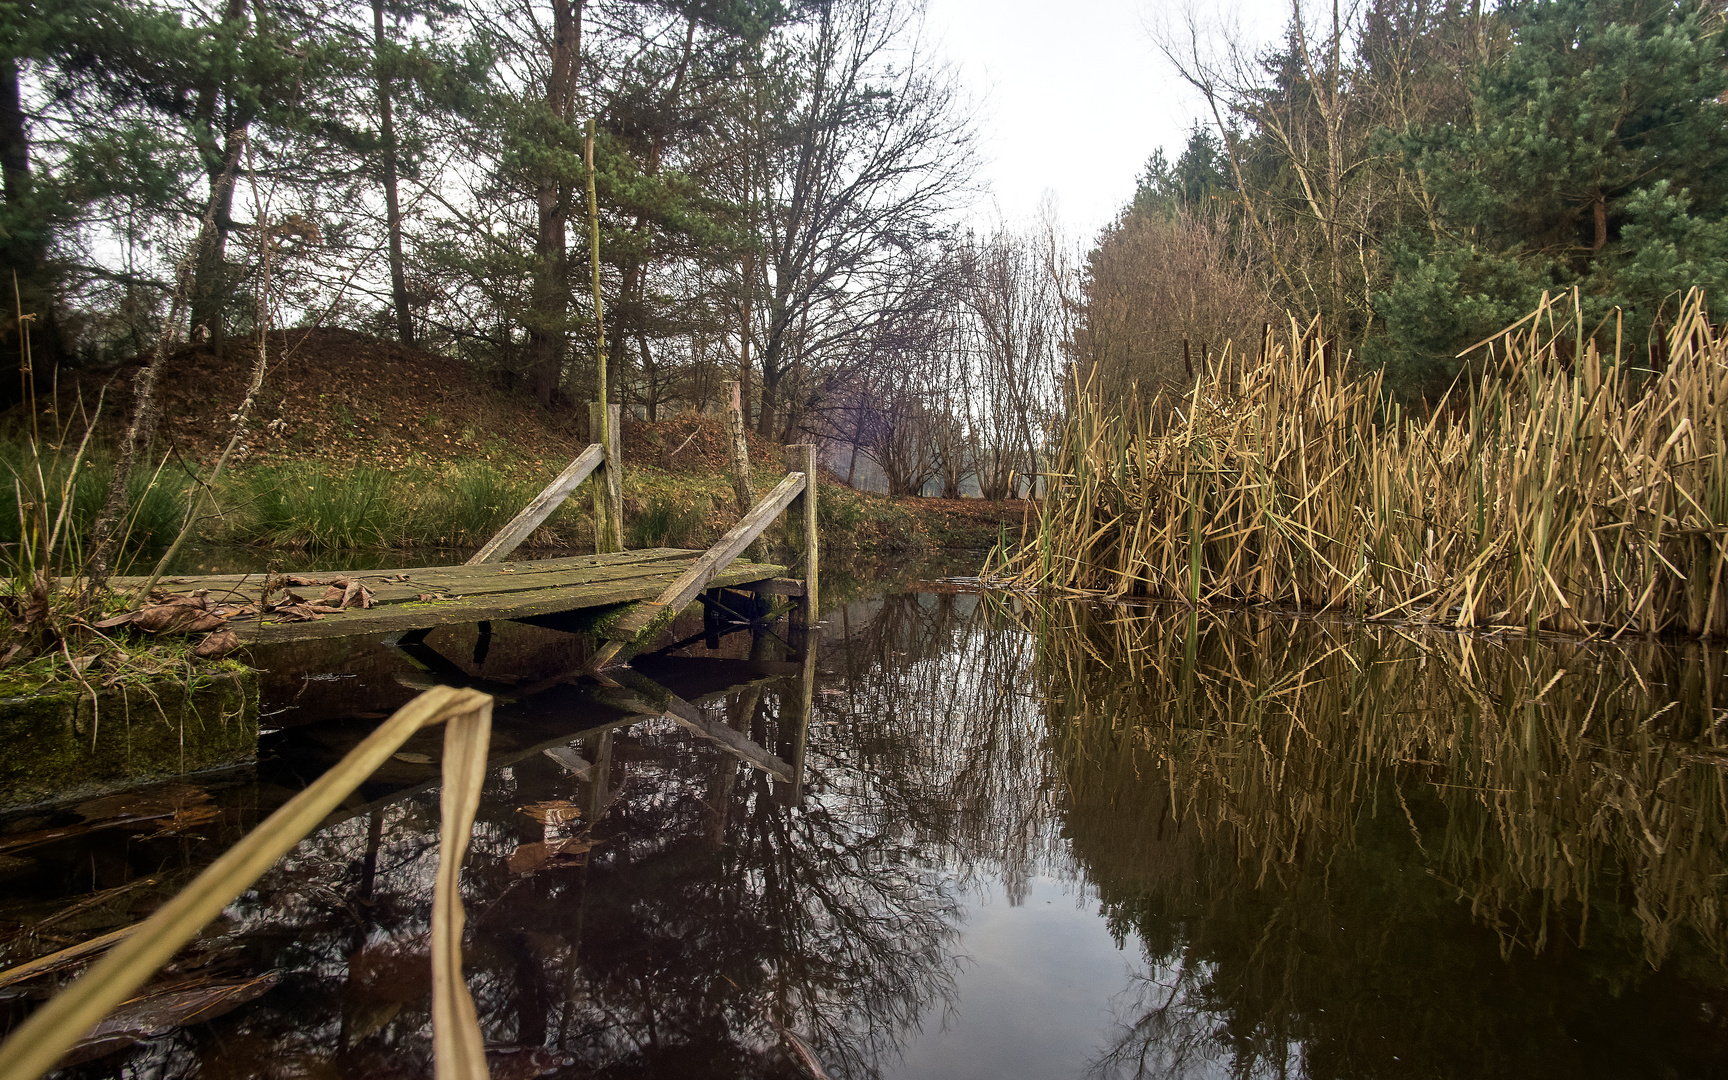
column 50, row 1031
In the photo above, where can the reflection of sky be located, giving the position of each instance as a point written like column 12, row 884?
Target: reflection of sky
column 1035, row 995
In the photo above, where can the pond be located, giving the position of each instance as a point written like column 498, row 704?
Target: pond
column 1026, row 839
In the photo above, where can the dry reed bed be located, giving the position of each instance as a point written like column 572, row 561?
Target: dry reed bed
column 1560, row 789
column 1566, row 491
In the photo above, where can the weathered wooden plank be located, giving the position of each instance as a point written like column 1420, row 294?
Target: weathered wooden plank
column 539, row 508
column 701, row 573
column 775, row 587
column 428, row 574
column 386, row 618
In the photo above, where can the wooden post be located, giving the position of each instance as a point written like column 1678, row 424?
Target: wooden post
column 738, row 448
column 802, row 458
column 738, row 454
column 609, row 492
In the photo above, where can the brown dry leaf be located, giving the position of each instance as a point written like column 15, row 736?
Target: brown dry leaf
column 300, row 582
column 413, row 758
column 357, row 595
column 80, row 664
column 296, row 612
column 555, row 812
column 199, row 598
column 428, row 597
column 161, row 1011
column 531, row 857
column 11, row 651
column 325, row 609
column 332, row 594
column 221, row 643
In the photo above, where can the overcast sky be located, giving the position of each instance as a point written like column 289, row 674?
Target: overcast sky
column 1075, row 96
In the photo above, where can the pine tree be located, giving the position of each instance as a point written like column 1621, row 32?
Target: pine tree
column 1596, row 158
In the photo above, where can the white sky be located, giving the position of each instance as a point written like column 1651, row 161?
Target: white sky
column 1075, row 96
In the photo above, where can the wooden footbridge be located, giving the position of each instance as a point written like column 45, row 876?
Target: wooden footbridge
column 625, row 597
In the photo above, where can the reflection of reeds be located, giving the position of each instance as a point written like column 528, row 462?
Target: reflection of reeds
column 1561, row 789
column 1569, row 492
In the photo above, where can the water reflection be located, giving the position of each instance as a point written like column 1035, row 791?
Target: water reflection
column 1352, row 852
column 1323, row 849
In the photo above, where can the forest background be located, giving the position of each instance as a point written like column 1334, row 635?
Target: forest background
column 785, row 197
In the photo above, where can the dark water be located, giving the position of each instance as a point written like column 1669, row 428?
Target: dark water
column 1055, row 841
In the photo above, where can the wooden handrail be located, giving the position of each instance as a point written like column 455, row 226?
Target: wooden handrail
column 648, row 614
column 511, row 536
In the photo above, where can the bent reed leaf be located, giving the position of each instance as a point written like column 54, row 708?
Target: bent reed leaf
column 40, row 1042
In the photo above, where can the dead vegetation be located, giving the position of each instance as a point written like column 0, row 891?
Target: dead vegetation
column 1566, row 490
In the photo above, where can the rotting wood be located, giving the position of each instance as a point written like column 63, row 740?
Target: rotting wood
column 802, row 458
column 738, row 447
column 609, row 492
column 704, row 571
column 478, row 592
column 779, row 586
column 541, row 507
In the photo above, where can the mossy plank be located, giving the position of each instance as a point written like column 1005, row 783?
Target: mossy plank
column 503, row 590
column 554, row 598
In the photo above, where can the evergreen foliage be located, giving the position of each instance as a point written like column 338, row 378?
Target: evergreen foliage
column 1595, row 157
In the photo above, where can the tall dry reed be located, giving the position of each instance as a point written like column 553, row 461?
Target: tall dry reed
column 1567, row 489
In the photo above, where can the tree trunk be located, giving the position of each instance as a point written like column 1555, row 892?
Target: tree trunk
column 23, row 253
column 550, row 294
column 392, row 203
column 219, row 130
column 14, row 139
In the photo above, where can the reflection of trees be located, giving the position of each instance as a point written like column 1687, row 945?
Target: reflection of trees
column 1310, row 827
column 716, row 910
column 940, row 733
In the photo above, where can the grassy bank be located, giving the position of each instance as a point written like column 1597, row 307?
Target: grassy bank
column 1569, row 490
column 327, row 506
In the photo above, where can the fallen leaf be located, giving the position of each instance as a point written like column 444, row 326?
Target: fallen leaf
column 556, row 812
column 221, row 643
column 530, row 857
column 357, row 595
column 413, row 759
column 298, row 612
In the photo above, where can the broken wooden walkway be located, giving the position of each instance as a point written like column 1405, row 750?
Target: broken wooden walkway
column 468, row 594
column 655, row 584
